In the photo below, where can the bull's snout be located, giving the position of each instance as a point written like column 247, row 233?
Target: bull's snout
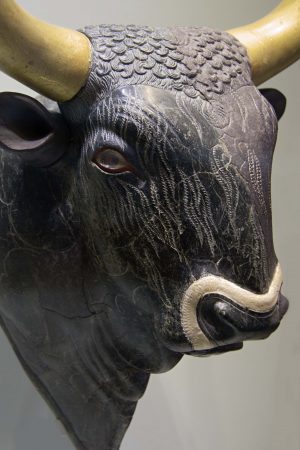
column 217, row 313
column 224, row 322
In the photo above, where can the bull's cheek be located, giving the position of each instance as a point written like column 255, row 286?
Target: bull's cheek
column 130, row 330
column 169, row 331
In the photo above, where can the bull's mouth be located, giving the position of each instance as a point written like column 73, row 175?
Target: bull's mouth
column 217, row 350
column 217, row 315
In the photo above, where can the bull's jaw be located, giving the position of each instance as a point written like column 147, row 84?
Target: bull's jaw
column 130, row 309
column 217, row 315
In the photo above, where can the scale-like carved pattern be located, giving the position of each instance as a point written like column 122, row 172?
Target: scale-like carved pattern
column 197, row 61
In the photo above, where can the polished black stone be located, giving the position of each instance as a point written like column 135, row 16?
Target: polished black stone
column 97, row 253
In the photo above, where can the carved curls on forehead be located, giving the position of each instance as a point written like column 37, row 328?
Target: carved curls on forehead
column 197, row 61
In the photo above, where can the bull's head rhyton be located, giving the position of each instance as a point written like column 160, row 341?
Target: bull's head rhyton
column 135, row 213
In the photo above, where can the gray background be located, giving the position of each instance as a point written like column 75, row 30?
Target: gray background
column 241, row 401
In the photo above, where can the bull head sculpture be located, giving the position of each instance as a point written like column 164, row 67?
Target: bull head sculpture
column 135, row 213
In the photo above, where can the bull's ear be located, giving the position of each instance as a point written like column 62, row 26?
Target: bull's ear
column 276, row 99
column 28, row 129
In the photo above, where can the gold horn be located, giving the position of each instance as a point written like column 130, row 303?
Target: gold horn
column 273, row 42
column 51, row 60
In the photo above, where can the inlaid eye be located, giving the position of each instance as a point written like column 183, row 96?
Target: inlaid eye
column 110, row 160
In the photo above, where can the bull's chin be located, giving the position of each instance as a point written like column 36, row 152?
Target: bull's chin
column 216, row 350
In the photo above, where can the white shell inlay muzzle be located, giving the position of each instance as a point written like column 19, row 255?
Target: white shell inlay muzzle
column 211, row 284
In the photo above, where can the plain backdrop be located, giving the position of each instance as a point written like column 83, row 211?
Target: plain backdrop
column 248, row 400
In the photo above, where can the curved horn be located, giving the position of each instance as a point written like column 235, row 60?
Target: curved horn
column 51, row 60
column 273, row 42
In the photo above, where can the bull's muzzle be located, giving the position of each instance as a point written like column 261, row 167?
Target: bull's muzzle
column 216, row 312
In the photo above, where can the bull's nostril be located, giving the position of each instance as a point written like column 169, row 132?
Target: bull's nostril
column 211, row 313
column 220, row 308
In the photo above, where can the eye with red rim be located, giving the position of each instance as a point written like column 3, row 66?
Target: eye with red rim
column 110, row 160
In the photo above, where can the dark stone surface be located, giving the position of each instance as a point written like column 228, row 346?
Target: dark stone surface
column 97, row 251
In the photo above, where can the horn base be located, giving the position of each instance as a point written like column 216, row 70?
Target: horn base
column 51, row 60
column 273, row 42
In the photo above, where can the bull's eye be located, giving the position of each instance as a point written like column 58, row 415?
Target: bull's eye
column 110, row 160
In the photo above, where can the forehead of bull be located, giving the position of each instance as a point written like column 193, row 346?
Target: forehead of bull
column 207, row 69
column 199, row 62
